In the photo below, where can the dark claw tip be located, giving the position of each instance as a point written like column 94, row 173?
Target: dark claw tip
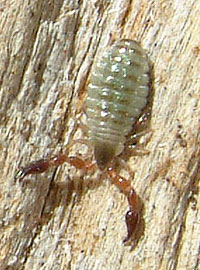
column 20, row 175
column 131, row 222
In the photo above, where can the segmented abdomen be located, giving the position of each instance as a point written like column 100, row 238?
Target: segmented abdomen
column 117, row 93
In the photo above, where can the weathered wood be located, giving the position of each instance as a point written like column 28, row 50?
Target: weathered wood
column 58, row 220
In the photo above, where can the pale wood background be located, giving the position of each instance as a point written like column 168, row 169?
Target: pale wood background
column 58, row 220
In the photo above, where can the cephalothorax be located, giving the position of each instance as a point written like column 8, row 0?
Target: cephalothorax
column 117, row 93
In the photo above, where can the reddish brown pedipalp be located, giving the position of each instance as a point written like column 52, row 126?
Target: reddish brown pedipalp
column 43, row 165
column 132, row 215
column 122, row 183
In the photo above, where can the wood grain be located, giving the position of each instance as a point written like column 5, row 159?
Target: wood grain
column 64, row 219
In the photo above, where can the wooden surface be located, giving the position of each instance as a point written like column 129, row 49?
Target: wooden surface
column 62, row 219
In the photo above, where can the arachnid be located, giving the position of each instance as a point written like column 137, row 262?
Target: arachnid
column 117, row 93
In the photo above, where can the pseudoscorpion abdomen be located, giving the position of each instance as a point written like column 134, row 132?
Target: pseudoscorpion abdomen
column 117, row 93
